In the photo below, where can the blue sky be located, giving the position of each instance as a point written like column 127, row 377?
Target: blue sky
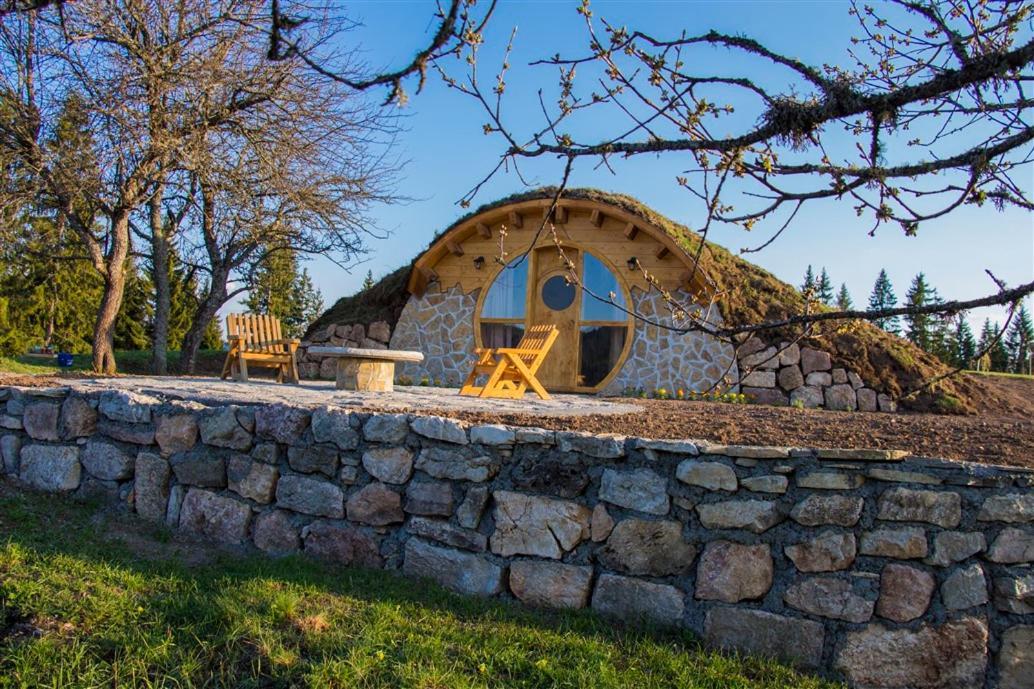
column 447, row 152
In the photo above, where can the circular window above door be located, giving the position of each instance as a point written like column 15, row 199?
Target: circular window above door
column 558, row 293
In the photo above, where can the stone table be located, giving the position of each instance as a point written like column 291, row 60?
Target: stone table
column 370, row 370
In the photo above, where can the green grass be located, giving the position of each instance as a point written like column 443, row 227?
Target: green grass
column 128, row 361
column 1000, row 374
column 125, row 612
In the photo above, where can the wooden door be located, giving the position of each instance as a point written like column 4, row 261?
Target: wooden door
column 553, row 301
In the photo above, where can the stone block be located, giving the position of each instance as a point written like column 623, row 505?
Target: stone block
column 106, row 461
column 886, row 403
column 756, row 516
column 814, row 360
column 448, row 464
column 214, row 516
column 375, row 504
column 828, row 552
column 830, row 480
column 380, row 331
column 601, row 446
column 950, row 547
column 250, row 479
column 789, row 354
column 950, row 656
column 462, row 572
column 770, row 396
column 650, row 548
column 808, row 395
column 772, row 483
column 765, row 358
column 386, row 428
column 1014, row 594
column 341, row 543
column 790, row 378
column 819, row 379
column 443, row 532
column 78, row 418
column 468, row 514
column 902, row 544
column 281, row 423
column 127, row 407
column 820, row 510
column 731, row 572
column 841, row 397
column 40, row 420
column 565, row 475
column 839, row 376
column 836, row 599
column 10, row 449
column 965, row 588
column 220, row 427
column 634, row 600
column 267, row 453
column 493, row 435
column 1015, row 509
column 637, row 489
column 429, row 498
column 135, row 433
column 199, row 468
column 867, row 400
column 759, row 379
column 439, row 428
column 789, row 639
column 710, row 475
column 905, row 592
column 310, row 496
column 536, row 436
column 934, row 507
column 335, row 426
column 313, row 460
column 1016, row 658
column 176, row 433
column 532, row 525
column 50, row 468
column 601, row 524
column 550, row 584
column 275, row 534
column 151, row 486
column 1012, row 546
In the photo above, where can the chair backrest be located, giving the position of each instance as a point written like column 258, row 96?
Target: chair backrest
column 537, row 341
column 257, row 333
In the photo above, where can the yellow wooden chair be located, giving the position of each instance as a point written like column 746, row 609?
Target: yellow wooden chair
column 511, row 370
column 257, row 340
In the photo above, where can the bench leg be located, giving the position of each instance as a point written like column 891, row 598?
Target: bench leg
column 365, row 375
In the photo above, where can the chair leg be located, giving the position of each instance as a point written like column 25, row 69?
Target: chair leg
column 292, row 372
column 242, row 370
column 227, row 366
column 493, row 380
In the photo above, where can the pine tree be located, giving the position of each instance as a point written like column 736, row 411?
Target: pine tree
column 132, row 326
column 883, row 297
column 844, row 302
column 281, row 290
column 808, row 288
column 368, row 280
column 922, row 329
column 824, row 288
column 1019, row 341
column 997, row 354
column 964, row 346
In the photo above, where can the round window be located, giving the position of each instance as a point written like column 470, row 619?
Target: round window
column 557, row 293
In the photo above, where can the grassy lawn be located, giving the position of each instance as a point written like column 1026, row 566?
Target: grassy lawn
column 1000, row 374
column 146, row 608
column 134, row 362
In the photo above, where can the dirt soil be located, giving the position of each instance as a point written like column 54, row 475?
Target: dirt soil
column 1000, row 432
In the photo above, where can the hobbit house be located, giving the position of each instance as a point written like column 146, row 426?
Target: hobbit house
column 494, row 272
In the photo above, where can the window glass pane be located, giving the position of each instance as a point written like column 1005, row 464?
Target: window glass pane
column 557, row 293
column 601, row 347
column 505, row 298
column 501, row 334
column 600, row 281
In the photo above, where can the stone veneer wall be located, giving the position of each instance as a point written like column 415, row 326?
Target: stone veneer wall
column 662, row 358
column 441, row 325
column 375, row 336
column 790, row 374
column 886, row 571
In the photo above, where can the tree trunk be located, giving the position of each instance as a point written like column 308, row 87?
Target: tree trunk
column 215, row 297
column 162, row 293
column 111, row 301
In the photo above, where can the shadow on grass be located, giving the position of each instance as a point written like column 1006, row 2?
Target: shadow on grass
column 150, row 605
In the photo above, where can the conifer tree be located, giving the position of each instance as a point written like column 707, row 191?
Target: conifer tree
column 132, row 325
column 997, row 354
column 964, row 345
column 883, row 297
column 368, row 280
column 921, row 327
column 844, row 301
column 808, row 287
column 1020, row 340
column 824, row 288
column 281, row 290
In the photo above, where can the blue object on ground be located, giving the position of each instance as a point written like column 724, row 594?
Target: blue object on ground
column 64, row 359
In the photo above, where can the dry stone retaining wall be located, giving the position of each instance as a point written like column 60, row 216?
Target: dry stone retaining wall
column 882, row 570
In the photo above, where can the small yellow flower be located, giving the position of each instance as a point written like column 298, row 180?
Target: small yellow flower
column 483, row 669
column 542, row 663
column 379, row 655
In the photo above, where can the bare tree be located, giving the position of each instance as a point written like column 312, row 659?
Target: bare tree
column 927, row 110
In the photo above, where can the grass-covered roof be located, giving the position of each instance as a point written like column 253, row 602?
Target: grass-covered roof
column 747, row 294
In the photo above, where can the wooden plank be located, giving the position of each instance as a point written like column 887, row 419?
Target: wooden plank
column 596, row 218
column 483, row 230
column 661, row 251
column 631, row 230
column 454, row 248
column 516, row 220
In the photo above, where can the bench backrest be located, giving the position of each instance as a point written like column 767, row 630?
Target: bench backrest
column 537, row 341
column 257, row 333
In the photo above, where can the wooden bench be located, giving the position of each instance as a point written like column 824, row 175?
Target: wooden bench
column 371, row 370
column 257, row 340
